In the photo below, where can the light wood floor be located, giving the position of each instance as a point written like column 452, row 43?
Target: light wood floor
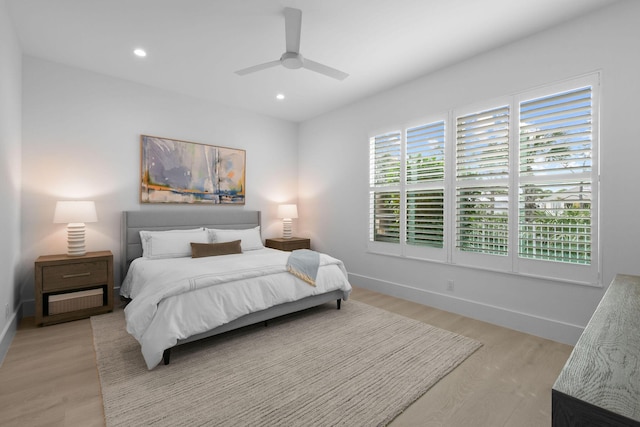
column 49, row 377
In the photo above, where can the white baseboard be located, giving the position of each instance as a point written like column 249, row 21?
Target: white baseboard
column 539, row 326
column 9, row 332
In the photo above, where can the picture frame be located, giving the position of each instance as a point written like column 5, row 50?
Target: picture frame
column 184, row 172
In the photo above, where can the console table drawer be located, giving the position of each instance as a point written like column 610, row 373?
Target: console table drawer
column 57, row 277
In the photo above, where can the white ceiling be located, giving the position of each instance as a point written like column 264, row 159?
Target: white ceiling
column 194, row 46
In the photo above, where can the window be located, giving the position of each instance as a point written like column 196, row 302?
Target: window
column 555, row 177
column 407, row 175
column 424, row 185
column 511, row 186
column 558, row 181
column 482, row 182
column 384, row 212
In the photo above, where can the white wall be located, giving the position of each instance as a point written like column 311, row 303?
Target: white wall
column 81, row 139
column 10, row 163
column 333, row 168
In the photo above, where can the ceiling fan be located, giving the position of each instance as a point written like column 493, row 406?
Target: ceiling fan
column 292, row 58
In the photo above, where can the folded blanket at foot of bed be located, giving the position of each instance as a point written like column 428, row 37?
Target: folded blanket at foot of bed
column 304, row 263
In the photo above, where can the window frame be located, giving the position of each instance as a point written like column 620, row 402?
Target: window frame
column 403, row 249
column 425, row 252
column 478, row 259
column 588, row 274
column 513, row 263
column 382, row 247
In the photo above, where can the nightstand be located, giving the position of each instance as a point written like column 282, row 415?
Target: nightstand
column 73, row 287
column 288, row 244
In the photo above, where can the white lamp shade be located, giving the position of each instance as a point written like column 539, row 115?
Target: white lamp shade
column 287, row 211
column 75, row 211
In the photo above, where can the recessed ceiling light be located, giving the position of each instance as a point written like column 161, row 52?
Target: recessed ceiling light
column 140, row 52
column 280, row 96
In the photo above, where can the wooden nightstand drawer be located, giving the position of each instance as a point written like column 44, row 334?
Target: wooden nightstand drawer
column 67, row 276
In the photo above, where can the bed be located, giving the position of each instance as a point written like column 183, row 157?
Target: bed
column 175, row 299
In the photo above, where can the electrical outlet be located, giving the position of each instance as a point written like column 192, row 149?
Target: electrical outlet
column 7, row 312
column 450, row 285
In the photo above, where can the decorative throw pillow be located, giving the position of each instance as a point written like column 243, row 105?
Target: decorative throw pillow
column 199, row 250
column 171, row 243
column 250, row 237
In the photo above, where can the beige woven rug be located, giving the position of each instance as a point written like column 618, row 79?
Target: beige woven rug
column 358, row 366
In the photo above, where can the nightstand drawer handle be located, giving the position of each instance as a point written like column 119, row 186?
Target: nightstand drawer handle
column 69, row 276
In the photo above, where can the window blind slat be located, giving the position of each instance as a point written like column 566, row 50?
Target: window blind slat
column 554, row 144
column 556, row 98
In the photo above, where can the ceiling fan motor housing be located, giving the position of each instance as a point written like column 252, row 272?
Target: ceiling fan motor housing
column 291, row 60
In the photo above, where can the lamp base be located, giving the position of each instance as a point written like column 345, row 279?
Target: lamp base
column 286, row 228
column 75, row 239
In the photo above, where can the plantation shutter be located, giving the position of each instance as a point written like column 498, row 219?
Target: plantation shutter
column 482, row 181
column 425, row 185
column 425, row 153
column 555, row 199
column 384, row 212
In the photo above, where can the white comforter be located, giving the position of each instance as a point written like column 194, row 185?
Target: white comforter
column 176, row 298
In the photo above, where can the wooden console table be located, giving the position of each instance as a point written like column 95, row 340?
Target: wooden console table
column 600, row 383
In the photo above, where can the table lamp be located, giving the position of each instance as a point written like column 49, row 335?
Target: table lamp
column 287, row 213
column 75, row 213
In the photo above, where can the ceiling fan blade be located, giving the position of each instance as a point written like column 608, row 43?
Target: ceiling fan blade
column 258, row 67
column 292, row 28
column 323, row 69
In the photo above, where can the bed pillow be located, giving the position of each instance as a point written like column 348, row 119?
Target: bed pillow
column 249, row 238
column 171, row 243
column 199, row 250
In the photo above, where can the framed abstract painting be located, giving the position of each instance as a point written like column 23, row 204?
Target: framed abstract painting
column 174, row 171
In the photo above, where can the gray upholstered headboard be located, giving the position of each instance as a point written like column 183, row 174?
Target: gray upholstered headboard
column 134, row 221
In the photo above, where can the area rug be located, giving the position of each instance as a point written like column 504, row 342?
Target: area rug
column 358, row 366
